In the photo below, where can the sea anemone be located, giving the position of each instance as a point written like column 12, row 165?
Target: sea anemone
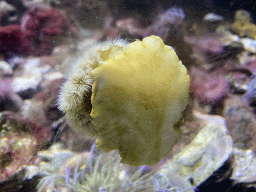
column 138, row 96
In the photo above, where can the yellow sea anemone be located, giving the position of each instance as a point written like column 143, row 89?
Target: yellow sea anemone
column 138, row 92
column 138, row 97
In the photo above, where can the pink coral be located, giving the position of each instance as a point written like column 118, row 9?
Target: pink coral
column 35, row 33
column 39, row 26
column 10, row 39
column 208, row 88
column 208, row 44
column 205, row 48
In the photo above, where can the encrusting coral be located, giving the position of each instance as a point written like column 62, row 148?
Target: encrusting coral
column 242, row 24
column 138, row 96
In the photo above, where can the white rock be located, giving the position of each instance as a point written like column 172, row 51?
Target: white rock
column 32, row 76
column 6, row 8
column 212, row 17
column 34, row 111
column 5, row 68
column 249, row 44
column 31, row 171
column 16, row 61
column 53, row 76
column 25, row 83
column 245, row 166
column 208, row 151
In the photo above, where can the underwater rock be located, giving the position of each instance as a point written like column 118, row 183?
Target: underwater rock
column 240, row 122
column 21, row 179
column 207, row 152
column 51, row 77
column 173, row 182
column 225, row 35
column 15, row 151
column 26, row 86
column 212, row 20
column 252, row 65
column 48, row 95
column 169, row 21
column 208, row 87
column 250, row 95
column 33, row 110
column 245, row 166
column 205, row 48
column 247, row 56
column 9, row 100
column 16, row 61
column 212, row 17
column 5, row 69
column 11, row 122
column 37, row 3
column 216, row 50
column 7, row 13
column 5, row 88
column 238, row 80
column 208, row 44
column 29, row 81
column 249, row 44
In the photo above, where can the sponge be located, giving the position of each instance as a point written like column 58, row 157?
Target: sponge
column 138, row 97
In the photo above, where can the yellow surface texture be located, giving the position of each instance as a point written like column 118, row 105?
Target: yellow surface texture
column 137, row 101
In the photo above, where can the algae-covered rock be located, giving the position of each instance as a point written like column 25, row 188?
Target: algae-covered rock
column 15, row 152
column 242, row 24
